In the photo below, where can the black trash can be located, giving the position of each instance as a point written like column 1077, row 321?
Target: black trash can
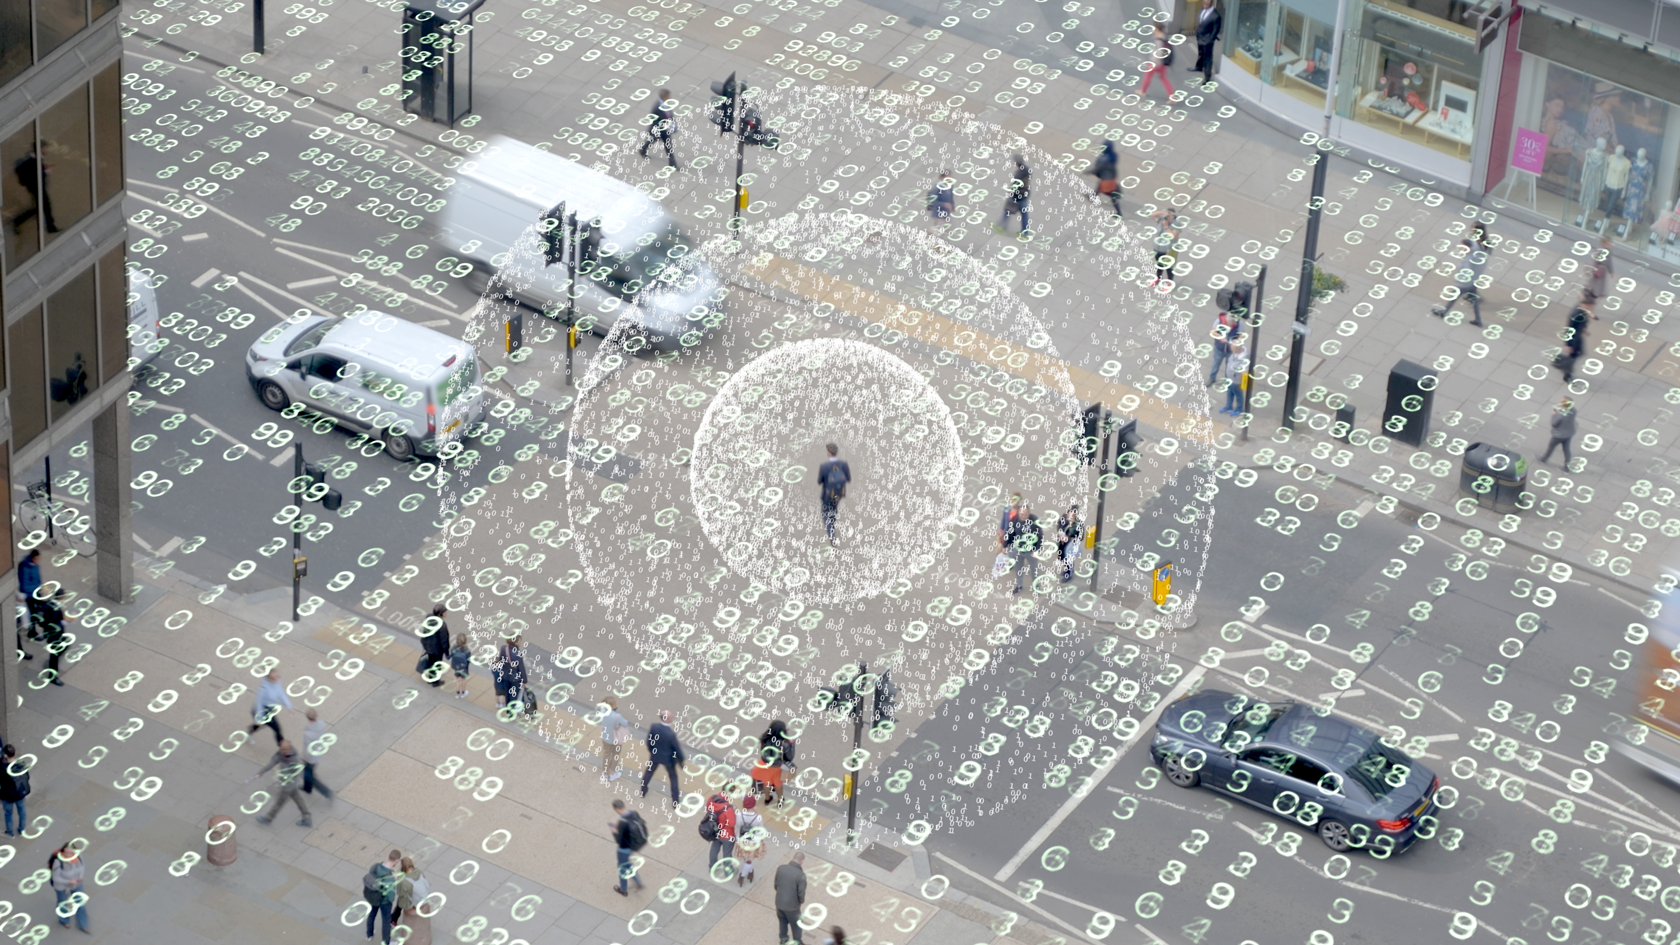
column 1496, row 477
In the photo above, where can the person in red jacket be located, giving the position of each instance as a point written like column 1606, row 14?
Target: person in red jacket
column 723, row 842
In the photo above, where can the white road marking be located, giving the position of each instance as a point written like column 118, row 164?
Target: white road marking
column 1282, row 632
column 213, row 209
column 1048, row 915
column 168, row 546
column 208, row 275
column 280, row 459
column 306, row 283
column 1339, row 696
column 142, row 543
column 1599, row 772
column 435, row 323
column 342, row 273
column 1365, row 507
column 216, row 430
column 1049, row 827
column 1210, row 815
column 279, row 291
column 1407, row 683
column 263, row 302
column 1449, row 737
column 194, row 237
column 1614, row 597
column 173, row 65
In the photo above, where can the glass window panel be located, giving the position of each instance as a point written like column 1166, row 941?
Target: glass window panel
column 113, row 316
column 5, row 520
column 72, row 343
column 57, row 21
column 19, row 188
column 16, row 46
column 67, row 170
column 107, row 133
column 26, row 348
column 102, row 7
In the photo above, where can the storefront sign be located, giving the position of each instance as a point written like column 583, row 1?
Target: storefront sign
column 1530, row 151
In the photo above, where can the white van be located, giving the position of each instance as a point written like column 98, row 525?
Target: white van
column 374, row 373
column 635, row 256
column 143, row 339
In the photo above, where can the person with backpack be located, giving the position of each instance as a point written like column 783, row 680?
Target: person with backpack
column 412, row 889
column 51, row 616
column 661, row 122
column 436, row 644
column 1106, row 167
column 942, row 202
column 718, row 828
column 1163, row 57
column 29, row 581
column 13, row 789
column 615, row 732
column 510, row 672
column 630, row 834
column 1021, row 542
column 1020, row 193
column 379, row 890
column 664, row 751
column 1069, row 530
column 832, row 478
column 288, row 784
column 271, row 696
column 775, row 759
column 749, row 838
column 460, row 660
column 67, row 875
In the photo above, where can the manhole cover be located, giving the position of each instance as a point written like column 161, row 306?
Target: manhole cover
column 886, row 858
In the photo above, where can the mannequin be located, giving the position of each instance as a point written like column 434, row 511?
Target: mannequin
column 1638, row 189
column 1617, row 169
column 1592, row 181
column 1667, row 227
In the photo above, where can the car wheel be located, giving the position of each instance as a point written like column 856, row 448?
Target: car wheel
column 273, row 396
column 399, row 448
column 1175, row 771
column 1335, row 836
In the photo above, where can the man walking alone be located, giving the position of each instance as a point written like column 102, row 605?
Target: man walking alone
column 832, row 477
column 662, row 121
column 1563, row 430
column 790, row 898
column 664, row 751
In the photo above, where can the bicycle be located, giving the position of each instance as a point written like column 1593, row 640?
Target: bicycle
column 70, row 528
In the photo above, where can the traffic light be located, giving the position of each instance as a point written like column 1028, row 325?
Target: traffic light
column 1086, row 450
column 314, row 488
column 554, row 232
column 1237, row 299
column 753, row 130
column 886, row 699
column 847, row 697
column 723, row 107
column 1126, row 441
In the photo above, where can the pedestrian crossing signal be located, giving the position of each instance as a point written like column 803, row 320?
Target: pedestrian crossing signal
column 1162, row 584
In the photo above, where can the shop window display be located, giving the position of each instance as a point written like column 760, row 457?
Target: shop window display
column 1413, row 71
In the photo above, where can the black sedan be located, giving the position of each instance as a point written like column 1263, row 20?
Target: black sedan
column 1322, row 772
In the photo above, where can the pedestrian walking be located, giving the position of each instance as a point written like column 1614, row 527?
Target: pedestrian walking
column 1161, row 58
column 28, row 581
column 67, row 874
column 288, row 784
column 434, row 640
column 1070, row 528
column 1225, row 331
column 460, row 660
column 1599, row 283
column 1478, row 248
column 1210, row 23
column 718, row 828
column 664, row 751
column 942, row 201
column 775, row 760
column 790, row 898
column 509, row 672
column 51, row 615
column 412, row 889
column 750, row 835
column 1167, row 231
column 629, row 834
column 1022, row 543
column 315, row 745
column 662, row 124
column 1007, row 516
column 13, row 789
column 1575, row 335
column 1018, row 199
column 271, row 697
column 1106, row 167
column 615, row 732
column 832, row 477
column 1236, row 371
column 1563, row 430
column 379, row 890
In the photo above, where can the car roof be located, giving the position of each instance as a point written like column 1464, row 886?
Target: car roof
column 1303, row 731
column 390, row 340
column 544, row 178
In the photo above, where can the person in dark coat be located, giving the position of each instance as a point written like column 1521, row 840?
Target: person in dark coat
column 1107, row 170
column 29, row 581
column 52, row 630
column 664, row 751
column 436, row 645
column 11, row 793
column 661, row 122
column 790, row 899
column 509, row 672
column 1563, row 430
column 1209, row 25
column 832, row 478
column 1575, row 340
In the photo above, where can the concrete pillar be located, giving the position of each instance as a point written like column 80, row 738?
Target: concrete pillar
column 112, row 511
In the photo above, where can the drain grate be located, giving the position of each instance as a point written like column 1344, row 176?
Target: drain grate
column 886, row 858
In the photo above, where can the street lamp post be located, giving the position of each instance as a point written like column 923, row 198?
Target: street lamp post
column 1304, row 298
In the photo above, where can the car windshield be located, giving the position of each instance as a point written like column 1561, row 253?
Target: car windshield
column 309, row 339
column 634, row 266
column 1251, row 724
column 1380, row 770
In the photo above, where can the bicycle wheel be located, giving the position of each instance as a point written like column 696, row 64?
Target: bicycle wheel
column 31, row 517
column 83, row 541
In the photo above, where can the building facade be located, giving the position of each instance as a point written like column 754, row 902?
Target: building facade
column 64, row 373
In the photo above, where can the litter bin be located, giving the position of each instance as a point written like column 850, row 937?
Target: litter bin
column 1496, row 477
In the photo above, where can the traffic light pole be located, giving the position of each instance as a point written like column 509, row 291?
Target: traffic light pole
column 1252, row 316
column 574, row 248
column 257, row 26
column 297, row 536
column 1102, row 496
column 1304, row 298
column 857, row 781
